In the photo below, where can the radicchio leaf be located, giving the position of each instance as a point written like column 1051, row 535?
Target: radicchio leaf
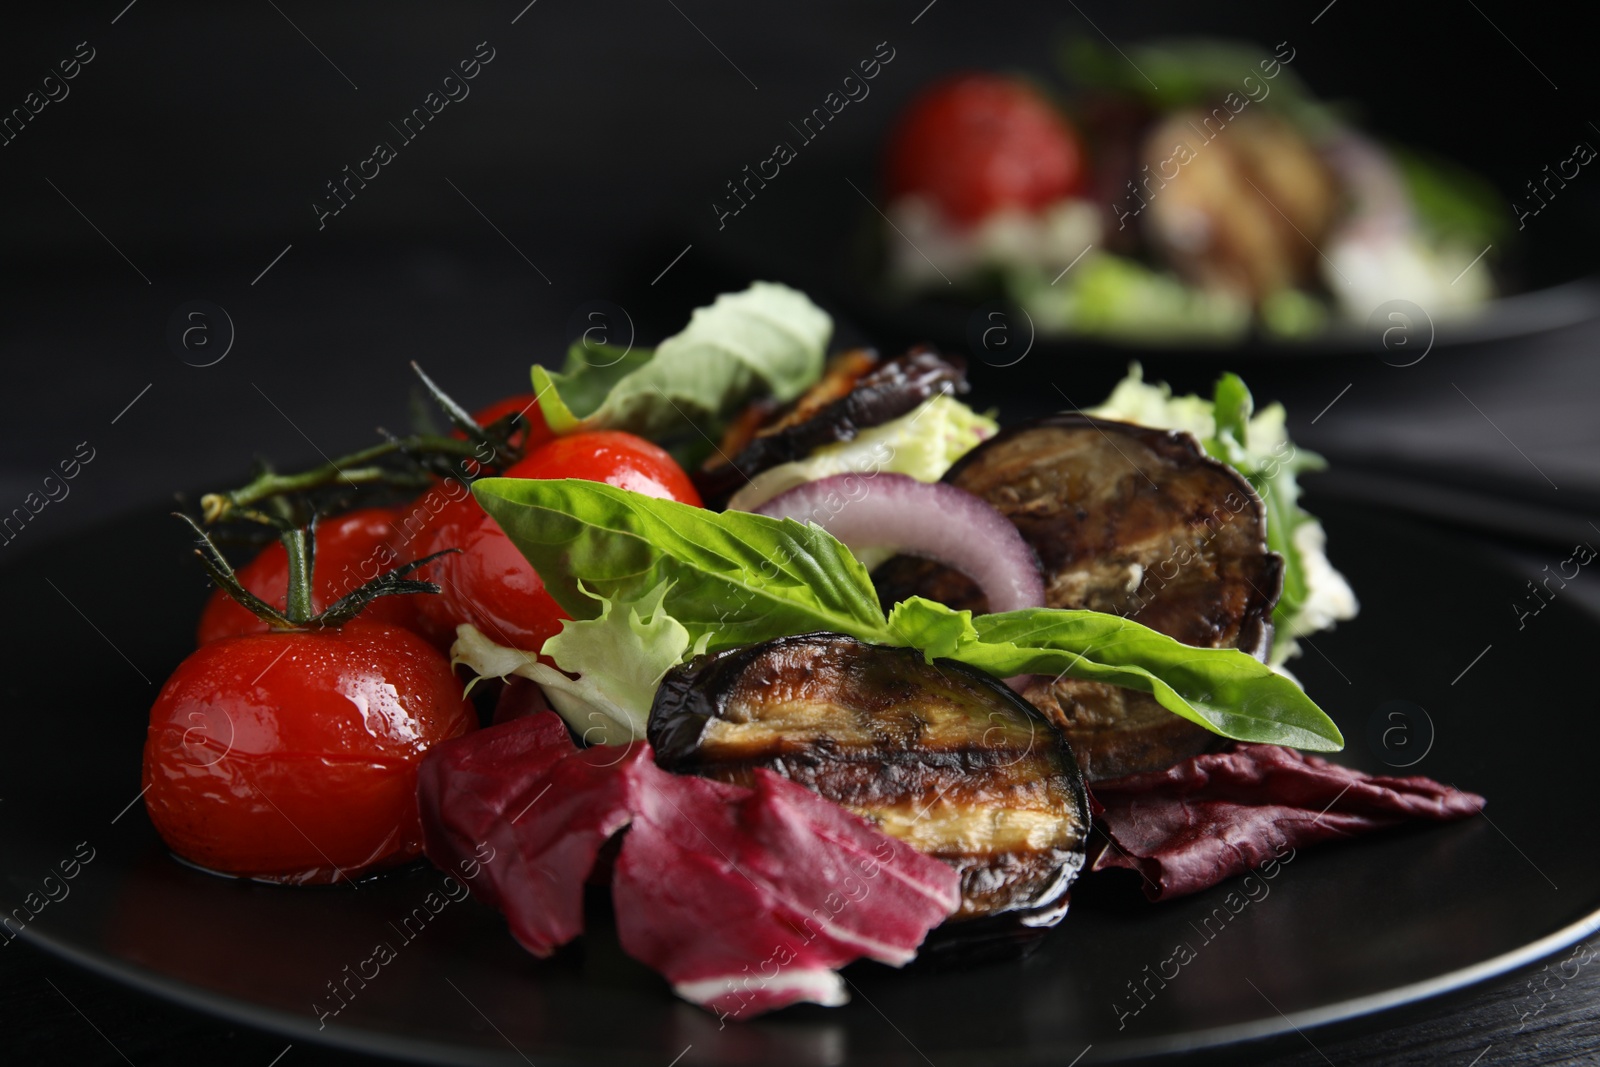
column 1212, row 816
column 746, row 899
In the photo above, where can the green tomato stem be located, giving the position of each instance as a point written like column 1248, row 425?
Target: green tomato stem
column 300, row 544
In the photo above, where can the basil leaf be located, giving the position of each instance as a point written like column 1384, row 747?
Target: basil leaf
column 734, row 578
column 767, row 339
column 1224, row 690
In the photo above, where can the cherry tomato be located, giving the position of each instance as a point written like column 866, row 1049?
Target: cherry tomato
column 977, row 143
column 351, row 550
column 524, row 404
column 292, row 756
column 489, row 584
column 613, row 457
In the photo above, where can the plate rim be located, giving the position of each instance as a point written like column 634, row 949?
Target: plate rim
column 389, row 1043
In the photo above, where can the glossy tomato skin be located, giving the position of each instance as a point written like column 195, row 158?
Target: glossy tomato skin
column 292, row 757
column 616, row 458
column 351, row 549
column 490, row 584
column 977, row 143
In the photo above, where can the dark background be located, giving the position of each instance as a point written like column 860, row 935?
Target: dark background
column 190, row 150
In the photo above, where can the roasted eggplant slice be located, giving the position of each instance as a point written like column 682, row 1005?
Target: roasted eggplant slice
column 858, row 391
column 940, row 756
column 1126, row 520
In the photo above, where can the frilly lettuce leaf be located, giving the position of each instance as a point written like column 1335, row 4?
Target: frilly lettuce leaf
column 767, row 339
column 619, row 657
column 922, row 443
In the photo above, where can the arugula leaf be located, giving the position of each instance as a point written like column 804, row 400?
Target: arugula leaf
column 768, row 338
column 1231, row 408
column 620, row 658
column 733, row 578
column 1224, row 690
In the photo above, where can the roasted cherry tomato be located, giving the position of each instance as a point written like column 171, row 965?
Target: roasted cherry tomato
column 351, row 549
column 613, row 457
column 977, row 143
column 524, row 404
column 292, row 756
column 489, row 584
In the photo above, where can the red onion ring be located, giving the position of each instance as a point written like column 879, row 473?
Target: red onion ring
column 934, row 520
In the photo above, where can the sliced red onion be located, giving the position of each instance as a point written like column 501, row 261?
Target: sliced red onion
column 938, row 521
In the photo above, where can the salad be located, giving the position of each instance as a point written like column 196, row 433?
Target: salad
column 797, row 656
column 1190, row 189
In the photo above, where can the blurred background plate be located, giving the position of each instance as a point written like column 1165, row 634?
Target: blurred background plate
column 844, row 264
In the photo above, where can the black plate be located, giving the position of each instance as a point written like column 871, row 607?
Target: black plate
column 1341, row 931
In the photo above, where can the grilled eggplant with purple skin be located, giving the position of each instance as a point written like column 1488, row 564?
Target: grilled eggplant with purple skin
column 1134, row 522
column 857, row 391
column 940, row 756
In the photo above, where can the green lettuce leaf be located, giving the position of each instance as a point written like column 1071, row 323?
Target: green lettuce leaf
column 619, row 657
column 582, row 385
column 767, row 339
column 733, row 578
column 922, row 443
column 1115, row 296
column 1224, row 690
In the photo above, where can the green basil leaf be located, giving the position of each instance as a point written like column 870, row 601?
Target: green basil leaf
column 1222, row 689
column 733, row 578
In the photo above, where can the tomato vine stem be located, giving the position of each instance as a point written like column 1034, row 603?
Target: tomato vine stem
column 355, row 469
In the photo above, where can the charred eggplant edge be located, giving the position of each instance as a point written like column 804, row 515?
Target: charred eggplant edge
column 1255, row 627
column 908, row 382
column 698, row 695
